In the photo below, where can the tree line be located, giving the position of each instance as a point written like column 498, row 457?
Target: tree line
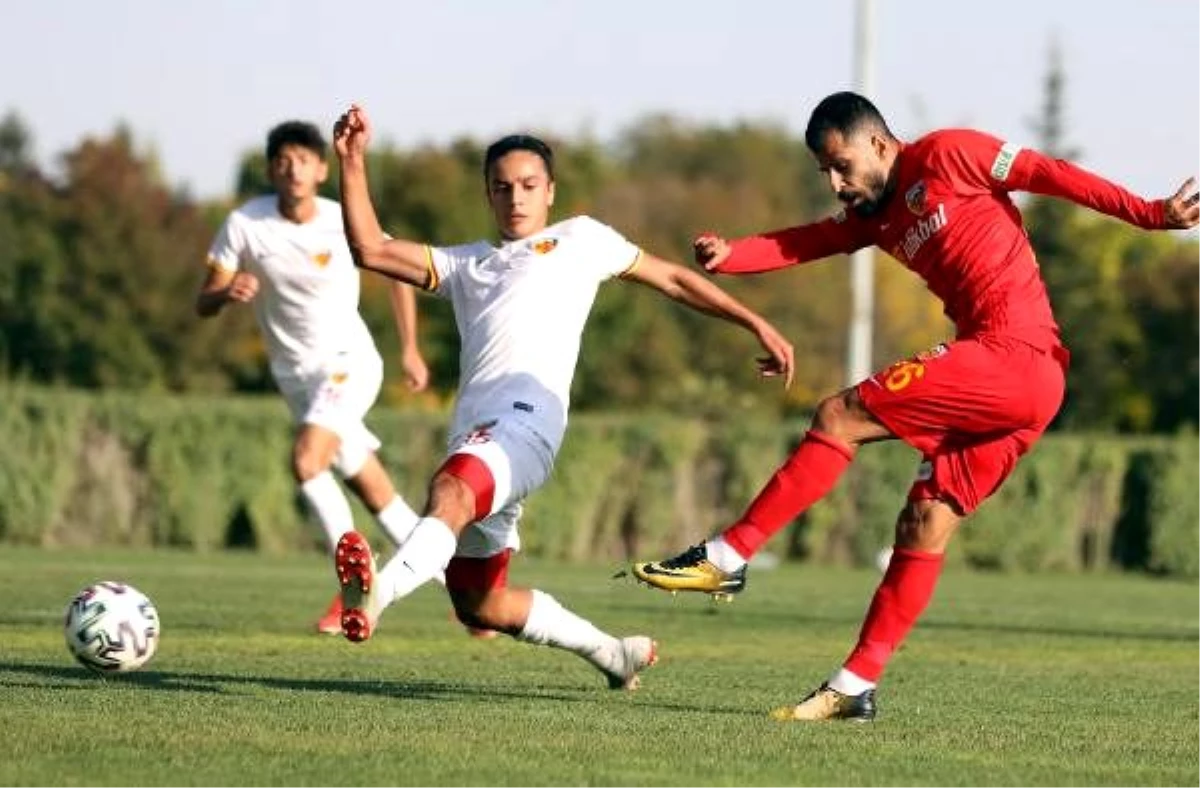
column 100, row 260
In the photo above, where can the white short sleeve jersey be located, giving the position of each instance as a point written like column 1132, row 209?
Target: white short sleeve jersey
column 521, row 309
column 307, row 304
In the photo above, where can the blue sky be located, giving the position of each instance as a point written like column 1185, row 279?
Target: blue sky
column 201, row 82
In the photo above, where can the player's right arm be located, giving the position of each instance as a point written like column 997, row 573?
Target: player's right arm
column 225, row 283
column 693, row 290
column 372, row 249
column 756, row 254
column 223, row 286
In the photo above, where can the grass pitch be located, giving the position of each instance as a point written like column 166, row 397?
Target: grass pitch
column 1008, row 680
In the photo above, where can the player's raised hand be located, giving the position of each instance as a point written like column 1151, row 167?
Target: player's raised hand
column 1181, row 210
column 711, row 250
column 351, row 132
column 242, row 288
column 782, row 358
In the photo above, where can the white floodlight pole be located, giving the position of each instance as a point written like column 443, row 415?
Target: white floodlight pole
column 862, row 267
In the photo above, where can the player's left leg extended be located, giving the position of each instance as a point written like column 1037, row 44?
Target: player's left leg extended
column 482, row 598
column 718, row 567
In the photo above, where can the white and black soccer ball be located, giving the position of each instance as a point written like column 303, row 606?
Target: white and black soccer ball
column 112, row 627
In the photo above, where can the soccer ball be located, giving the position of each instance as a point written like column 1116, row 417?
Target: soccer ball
column 111, row 627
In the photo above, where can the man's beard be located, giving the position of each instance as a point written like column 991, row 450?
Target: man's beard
column 870, row 206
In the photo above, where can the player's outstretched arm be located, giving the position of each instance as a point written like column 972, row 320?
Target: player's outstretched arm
column 756, row 254
column 1022, row 169
column 373, row 250
column 689, row 288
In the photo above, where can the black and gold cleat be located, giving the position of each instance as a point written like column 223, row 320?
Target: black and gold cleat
column 692, row 571
column 826, row 703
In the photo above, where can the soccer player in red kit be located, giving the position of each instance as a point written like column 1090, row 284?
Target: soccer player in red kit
column 972, row 407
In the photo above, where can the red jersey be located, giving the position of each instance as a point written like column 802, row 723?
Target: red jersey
column 950, row 220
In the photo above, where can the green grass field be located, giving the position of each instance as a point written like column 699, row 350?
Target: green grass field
column 1009, row 680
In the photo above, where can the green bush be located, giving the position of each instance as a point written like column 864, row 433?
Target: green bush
column 1174, row 509
column 207, row 474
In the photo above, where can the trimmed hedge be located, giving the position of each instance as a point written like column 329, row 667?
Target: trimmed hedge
column 120, row 469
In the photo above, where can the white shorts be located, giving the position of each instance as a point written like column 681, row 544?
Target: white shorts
column 336, row 396
column 520, row 461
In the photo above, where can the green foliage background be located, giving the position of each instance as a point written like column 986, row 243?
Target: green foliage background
column 100, row 262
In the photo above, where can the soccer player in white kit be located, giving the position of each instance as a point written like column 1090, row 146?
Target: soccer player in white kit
column 520, row 307
column 286, row 253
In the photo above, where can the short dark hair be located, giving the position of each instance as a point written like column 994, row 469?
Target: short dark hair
column 506, row 145
column 845, row 113
column 295, row 132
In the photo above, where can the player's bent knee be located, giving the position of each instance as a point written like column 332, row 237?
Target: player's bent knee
column 307, row 464
column 844, row 417
column 313, row 452
column 926, row 525
column 840, row 415
column 451, row 500
column 828, row 415
column 351, row 458
column 465, row 483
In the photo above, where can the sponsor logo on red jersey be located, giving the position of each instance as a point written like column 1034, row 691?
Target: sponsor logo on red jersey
column 920, row 232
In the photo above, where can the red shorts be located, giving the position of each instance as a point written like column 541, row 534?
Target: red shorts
column 972, row 408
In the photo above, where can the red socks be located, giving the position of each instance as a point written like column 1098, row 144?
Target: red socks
column 811, row 472
column 906, row 588
column 902, row 595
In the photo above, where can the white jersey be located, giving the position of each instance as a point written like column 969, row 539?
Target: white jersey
column 307, row 304
column 521, row 309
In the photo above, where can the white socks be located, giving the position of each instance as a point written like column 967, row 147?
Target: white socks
column 332, row 509
column 849, row 683
column 329, row 504
column 421, row 558
column 722, row 556
column 397, row 520
column 551, row 624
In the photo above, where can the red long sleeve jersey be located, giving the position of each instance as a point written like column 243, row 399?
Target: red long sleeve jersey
column 951, row 221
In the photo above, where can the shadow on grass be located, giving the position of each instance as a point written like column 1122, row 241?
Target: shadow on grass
column 177, row 681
